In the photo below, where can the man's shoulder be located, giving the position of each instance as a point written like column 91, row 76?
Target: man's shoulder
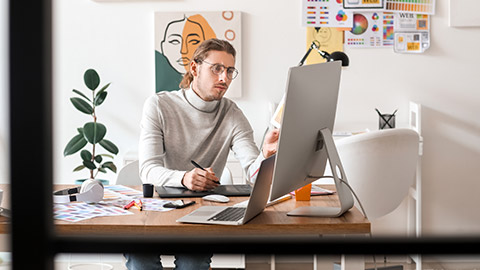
column 166, row 96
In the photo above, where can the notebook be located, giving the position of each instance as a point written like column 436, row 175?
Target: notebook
column 231, row 215
column 227, row 190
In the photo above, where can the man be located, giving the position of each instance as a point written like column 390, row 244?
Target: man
column 196, row 123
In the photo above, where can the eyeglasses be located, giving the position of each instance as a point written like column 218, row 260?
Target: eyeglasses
column 218, row 69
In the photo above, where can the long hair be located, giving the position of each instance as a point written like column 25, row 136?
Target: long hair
column 201, row 53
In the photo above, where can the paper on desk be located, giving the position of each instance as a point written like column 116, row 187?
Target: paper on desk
column 74, row 212
column 316, row 191
column 155, row 205
column 121, row 192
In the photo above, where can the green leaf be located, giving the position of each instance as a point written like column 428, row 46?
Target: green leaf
column 109, row 165
column 103, row 89
column 102, row 170
column 91, row 79
column 81, row 94
column 106, row 155
column 86, row 155
column 98, row 159
column 74, row 145
column 79, row 168
column 100, row 98
column 89, row 165
column 82, row 105
column 109, row 146
column 80, row 130
column 94, row 132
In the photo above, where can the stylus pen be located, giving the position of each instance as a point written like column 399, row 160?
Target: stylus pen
column 201, row 168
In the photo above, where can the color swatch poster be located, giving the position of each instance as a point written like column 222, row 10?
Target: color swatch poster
column 363, row 4
column 330, row 39
column 371, row 30
column 326, row 13
column 411, row 6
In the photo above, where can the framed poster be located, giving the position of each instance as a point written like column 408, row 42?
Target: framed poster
column 178, row 34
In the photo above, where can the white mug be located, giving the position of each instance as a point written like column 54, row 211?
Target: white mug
column 1, row 196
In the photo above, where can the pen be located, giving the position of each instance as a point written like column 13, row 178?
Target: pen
column 141, row 204
column 130, row 204
column 386, row 121
column 201, row 168
column 390, row 118
column 138, row 206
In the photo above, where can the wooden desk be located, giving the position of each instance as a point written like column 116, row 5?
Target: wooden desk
column 272, row 221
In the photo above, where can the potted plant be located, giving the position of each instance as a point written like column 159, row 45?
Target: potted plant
column 91, row 133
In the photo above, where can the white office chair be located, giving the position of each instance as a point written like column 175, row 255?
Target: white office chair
column 129, row 175
column 380, row 166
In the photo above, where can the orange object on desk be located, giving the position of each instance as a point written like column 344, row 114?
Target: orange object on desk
column 303, row 194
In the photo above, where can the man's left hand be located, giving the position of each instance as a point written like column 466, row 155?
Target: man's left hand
column 270, row 143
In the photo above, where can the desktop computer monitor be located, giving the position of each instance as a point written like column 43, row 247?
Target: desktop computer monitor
column 310, row 107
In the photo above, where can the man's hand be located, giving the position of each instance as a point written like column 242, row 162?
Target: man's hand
column 200, row 180
column 270, row 143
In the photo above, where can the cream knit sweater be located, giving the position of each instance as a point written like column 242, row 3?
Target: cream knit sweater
column 179, row 126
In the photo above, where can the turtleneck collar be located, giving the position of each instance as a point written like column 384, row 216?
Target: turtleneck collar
column 198, row 103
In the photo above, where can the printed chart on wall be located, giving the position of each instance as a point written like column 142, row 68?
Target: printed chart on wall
column 326, row 13
column 371, row 30
column 412, row 33
column 178, row 34
column 411, row 6
column 363, row 4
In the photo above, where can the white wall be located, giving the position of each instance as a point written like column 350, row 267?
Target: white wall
column 116, row 38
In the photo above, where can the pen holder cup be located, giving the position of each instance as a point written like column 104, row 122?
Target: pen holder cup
column 303, row 193
column 386, row 121
column 147, row 190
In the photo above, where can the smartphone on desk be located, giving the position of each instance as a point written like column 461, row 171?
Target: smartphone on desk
column 178, row 204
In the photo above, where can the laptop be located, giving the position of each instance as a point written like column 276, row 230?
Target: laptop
column 231, row 215
column 180, row 192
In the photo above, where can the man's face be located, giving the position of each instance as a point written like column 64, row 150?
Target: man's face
column 206, row 84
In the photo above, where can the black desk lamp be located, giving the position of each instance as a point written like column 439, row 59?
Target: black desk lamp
column 329, row 57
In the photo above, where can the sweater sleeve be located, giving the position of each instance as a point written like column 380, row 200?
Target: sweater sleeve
column 151, row 151
column 244, row 147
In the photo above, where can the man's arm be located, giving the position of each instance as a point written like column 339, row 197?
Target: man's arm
column 246, row 151
column 151, row 152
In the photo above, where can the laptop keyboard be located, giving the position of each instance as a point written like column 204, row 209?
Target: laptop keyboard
column 230, row 214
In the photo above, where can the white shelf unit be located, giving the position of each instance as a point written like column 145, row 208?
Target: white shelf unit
column 414, row 218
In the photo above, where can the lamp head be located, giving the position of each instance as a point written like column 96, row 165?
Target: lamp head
column 340, row 56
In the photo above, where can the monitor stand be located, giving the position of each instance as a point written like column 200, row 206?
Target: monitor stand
column 325, row 139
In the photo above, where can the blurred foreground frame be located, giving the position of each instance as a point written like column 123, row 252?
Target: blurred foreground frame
column 31, row 176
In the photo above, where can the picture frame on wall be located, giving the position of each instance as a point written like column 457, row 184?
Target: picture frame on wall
column 178, row 34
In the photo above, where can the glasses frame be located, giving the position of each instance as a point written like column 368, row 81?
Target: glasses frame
column 213, row 65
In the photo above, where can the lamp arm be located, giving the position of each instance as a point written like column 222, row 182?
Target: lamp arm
column 315, row 45
column 306, row 55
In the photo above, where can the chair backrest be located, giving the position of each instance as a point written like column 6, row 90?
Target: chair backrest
column 129, row 175
column 380, row 166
